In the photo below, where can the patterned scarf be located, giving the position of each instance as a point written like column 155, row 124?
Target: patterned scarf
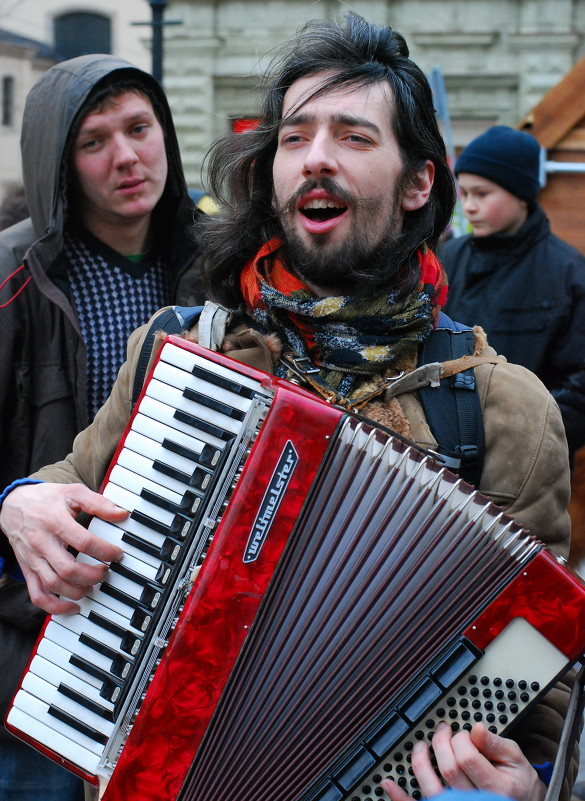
column 344, row 337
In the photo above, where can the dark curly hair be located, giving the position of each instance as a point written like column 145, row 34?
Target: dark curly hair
column 355, row 54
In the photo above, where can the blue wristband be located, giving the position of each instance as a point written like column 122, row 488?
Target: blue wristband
column 20, row 482
column 544, row 772
column 13, row 570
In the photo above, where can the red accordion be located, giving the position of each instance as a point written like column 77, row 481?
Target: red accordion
column 351, row 594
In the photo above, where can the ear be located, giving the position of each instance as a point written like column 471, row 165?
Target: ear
column 416, row 195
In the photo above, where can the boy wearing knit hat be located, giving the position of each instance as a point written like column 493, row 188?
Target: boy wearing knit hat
column 513, row 276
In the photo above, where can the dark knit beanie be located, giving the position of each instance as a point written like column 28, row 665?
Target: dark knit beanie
column 507, row 157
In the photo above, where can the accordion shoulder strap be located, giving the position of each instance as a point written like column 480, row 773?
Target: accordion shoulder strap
column 173, row 320
column 213, row 323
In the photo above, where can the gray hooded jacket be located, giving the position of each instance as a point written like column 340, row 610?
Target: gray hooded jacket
column 42, row 354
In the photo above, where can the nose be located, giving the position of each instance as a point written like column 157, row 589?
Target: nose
column 124, row 153
column 319, row 158
column 468, row 204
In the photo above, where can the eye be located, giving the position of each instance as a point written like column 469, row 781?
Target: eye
column 358, row 139
column 89, row 144
column 141, row 128
column 292, row 139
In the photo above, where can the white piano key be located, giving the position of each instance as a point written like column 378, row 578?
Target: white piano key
column 178, row 378
column 153, row 451
column 39, row 710
column 174, row 397
column 79, row 625
column 59, row 656
column 178, row 526
column 49, row 694
column 57, row 741
column 157, row 481
column 55, row 675
column 88, row 605
column 138, row 566
column 132, row 588
column 186, row 360
column 82, row 625
column 99, row 596
column 135, row 482
column 46, row 688
column 70, row 641
column 163, row 413
column 159, row 432
column 114, row 533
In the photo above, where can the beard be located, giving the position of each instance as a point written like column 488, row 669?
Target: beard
column 369, row 256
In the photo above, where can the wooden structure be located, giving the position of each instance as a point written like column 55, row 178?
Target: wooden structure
column 558, row 122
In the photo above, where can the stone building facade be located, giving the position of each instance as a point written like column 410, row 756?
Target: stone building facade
column 497, row 58
column 35, row 34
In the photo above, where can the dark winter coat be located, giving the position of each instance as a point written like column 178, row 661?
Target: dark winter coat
column 527, row 291
column 42, row 354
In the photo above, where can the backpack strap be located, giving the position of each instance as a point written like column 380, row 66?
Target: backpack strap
column 452, row 407
column 172, row 321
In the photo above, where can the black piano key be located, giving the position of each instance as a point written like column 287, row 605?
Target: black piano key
column 189, row 503
column 128, row 600
column 214, row 404
column 224, row 383
column 111, row 685
column 170, row 550
column 178, row 528
column 141, row 619
column 202, row 425
column 87, row 703
column 150, row 596
column 105, row 650
column 162, row 574
column 142, row 545
column 122, row 570
column 199, row 479
column 209, row 456
column 129, row 642
column 78, row 725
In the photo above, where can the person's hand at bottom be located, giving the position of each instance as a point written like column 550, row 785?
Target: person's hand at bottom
column 475, row 760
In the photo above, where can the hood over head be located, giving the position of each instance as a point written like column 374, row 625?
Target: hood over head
column 51, row 109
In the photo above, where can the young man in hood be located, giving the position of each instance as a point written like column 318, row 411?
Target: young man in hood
column 107, row 243
column 513, row 276
column 323, row 248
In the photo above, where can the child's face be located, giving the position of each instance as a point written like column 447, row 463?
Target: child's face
column 490, row 208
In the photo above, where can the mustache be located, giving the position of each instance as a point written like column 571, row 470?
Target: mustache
column 327, row 185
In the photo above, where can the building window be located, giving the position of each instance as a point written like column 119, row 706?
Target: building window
column 79, row 33
column 7, row 101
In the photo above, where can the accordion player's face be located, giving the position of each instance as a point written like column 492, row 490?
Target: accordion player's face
column 337, row 174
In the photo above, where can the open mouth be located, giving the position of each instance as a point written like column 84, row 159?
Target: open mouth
column 321, row 210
